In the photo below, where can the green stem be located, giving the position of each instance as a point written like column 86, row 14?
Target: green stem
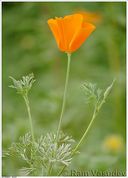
column 97, row 108
column 86, row 131
column 63, row 168
column 83, row 137
column 64, row 96
column 49, row 169
column 29, row 115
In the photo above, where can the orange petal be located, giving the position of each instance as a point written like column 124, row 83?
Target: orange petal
column 63, row 43
column 55, row 30
column 81, row 36
column 71, row 24
column 63, row 29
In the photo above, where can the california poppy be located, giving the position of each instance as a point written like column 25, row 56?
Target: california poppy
column 70, row 32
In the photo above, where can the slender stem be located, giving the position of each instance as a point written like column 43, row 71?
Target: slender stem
column 63, row 168
column 86, row 131
column 29, row 115
column 64, row 96
column 83, row 137
column 49, row 169
column 96, row 111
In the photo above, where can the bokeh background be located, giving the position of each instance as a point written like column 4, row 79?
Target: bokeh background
column 28, row 46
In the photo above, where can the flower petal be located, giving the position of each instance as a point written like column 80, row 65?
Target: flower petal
column 68, row 26
column 62, row 45
column 55, row 30
column 72, row 23
column 70, row 32
column 81, row 36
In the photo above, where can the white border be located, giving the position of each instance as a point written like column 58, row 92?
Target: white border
column 1, row 71
column 1, row 88
column 63, row 1
column 126, row 87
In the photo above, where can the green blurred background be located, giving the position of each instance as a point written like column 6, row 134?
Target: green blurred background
column 28, row 46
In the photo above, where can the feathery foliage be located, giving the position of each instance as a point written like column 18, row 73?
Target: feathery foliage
column 24, row 85
column 48, row 152
column 95, row 95
column 42, row 153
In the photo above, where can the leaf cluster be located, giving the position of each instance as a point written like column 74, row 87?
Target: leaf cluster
column 92, row 92
column 24, row 85
column 41, row 154
column 96, row 95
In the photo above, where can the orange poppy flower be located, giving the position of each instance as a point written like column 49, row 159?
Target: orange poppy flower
column 70, row 32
